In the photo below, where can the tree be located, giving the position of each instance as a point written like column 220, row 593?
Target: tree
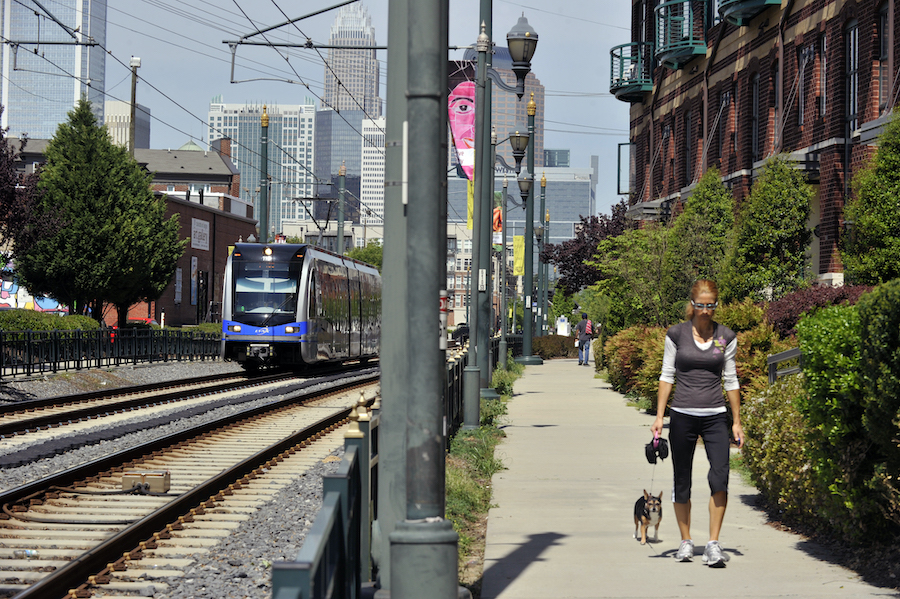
column 18, row 194
column 573, row 257
column 871, row 252
column 768, row 259
column 700, row 235
column 635, row 278
column 116, row 246
column 371, row 254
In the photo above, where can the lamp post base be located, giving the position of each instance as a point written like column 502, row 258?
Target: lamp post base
column 489, row 393
column 529, row 360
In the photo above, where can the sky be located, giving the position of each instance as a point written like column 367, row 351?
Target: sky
column 184, row 63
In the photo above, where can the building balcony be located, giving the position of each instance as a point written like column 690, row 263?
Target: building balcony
column 680, row 32
column 739, row 12
column 629, row 71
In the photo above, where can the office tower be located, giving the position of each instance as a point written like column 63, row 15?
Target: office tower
column 372, row 176
column 117, row 118
column 339, row 139
column 290, row 152
column 41, row 82
column 352, row 76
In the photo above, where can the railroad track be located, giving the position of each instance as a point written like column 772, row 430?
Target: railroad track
column 40, row 414
column 76, row 530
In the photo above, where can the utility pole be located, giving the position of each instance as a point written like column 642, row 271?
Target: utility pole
column 342, row 174
column 264, row 178
column 135, row 63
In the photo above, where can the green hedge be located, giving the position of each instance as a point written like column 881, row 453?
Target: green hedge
column 554, row 346
column 29, row 320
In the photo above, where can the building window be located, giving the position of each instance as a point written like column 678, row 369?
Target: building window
column 823, row 75
column 852, row 46
column 882, row 63
column 688, row 148
column 754, row 118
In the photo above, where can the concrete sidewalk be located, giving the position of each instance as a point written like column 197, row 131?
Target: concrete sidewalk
column 563, row 525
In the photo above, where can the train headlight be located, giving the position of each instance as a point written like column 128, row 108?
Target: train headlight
column 234, row 328
column 291, row 330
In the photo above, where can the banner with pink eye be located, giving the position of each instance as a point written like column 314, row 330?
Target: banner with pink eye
column 461, row 113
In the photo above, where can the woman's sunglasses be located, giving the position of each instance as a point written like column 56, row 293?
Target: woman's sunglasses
column 711, row 306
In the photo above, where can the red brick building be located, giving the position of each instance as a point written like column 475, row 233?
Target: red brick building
column 729, row 83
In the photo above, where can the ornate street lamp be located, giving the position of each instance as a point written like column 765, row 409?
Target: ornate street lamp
column 522, row 41
column 519, row 143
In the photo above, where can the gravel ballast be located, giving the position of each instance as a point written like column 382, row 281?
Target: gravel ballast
column 240, row 565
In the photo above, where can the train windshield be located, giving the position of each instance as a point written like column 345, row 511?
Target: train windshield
column 265, row 293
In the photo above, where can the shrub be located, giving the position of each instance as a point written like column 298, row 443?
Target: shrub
column 775, row 450
column 754, row 348
column 879, row 354
column 741, row 316
column 623, row 357
column 20, row 319
column 554, row 346
column 210, row 328
column 76, row 322
column 786, row 312
column 502, row 381
column 844, row 459
column 646, row 380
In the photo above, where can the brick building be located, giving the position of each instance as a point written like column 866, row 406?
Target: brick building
column 729, row 83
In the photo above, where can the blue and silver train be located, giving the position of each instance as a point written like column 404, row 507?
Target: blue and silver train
column 295, row 305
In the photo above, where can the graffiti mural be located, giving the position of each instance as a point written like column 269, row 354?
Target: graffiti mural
column 13, row 295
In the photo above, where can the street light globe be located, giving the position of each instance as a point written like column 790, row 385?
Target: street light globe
column 522, row 40
column 525, row 183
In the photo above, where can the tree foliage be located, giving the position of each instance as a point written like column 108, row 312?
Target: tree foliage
column 116, row 246
column 699, row 236
column 371, row 254
column 573, row 257
column 871, row 252
column 635, row 278
column 18, row 194
column 768, row 258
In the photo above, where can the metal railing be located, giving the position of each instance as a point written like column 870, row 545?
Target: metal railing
column 334, row 560
column 35, row 352
column 793, row 356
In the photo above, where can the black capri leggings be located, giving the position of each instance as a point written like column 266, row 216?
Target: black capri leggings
column 683, row 432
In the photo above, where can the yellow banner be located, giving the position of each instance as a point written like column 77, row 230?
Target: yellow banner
column 518, row 255
column 470, row 202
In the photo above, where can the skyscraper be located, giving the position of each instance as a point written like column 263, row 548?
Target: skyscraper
column 118, row 123
column 352, row 76
column 47, row 64
column 290, row 150
column 371, row 192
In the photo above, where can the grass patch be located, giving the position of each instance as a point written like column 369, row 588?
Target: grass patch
column 737, row 464
column 470, row 465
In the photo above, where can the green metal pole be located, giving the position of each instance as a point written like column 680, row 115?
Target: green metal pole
column 485, row 167
column 342, row 174
column 470, row 413
column 542, row 282
column 424, row 552
column 546, row 298
column 503, row 318
column 264, row 178
column 528, row 325
column 395, row 350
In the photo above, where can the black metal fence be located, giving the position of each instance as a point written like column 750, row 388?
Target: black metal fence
column 36, row 352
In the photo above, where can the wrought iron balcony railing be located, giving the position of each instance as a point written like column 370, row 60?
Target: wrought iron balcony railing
column 739, row 12
column 680, row 31
column 630, row 71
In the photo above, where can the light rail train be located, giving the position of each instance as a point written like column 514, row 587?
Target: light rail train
column 298, row 305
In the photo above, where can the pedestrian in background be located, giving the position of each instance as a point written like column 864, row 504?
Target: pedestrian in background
column 700, row 353
column 583, row 335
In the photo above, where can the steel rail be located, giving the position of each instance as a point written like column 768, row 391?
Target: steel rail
column 76, row 572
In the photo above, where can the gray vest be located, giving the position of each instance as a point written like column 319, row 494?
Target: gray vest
column 698, row 372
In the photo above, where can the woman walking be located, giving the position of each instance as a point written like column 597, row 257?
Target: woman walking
column 699, row 353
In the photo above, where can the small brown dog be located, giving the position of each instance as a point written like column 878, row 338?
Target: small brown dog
column 647, row 512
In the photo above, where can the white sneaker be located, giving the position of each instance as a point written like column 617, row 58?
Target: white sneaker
column 685, row 552
column 713, row 556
